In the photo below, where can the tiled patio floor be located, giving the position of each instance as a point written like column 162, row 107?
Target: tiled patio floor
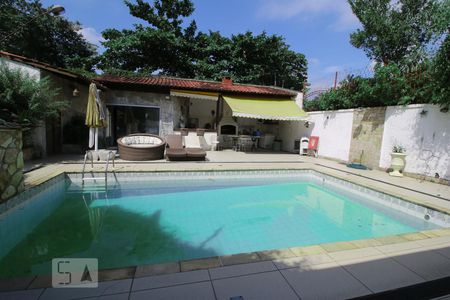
column 319, row 272
column 333, row 275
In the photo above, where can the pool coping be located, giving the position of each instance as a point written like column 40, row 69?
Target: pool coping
column 381, row 186
column 44, row 281
column 139, row 271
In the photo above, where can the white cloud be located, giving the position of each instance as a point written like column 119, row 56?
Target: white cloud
column 91, row 35
column 306, row 9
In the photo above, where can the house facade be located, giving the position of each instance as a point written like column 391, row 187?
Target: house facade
column 161, row 105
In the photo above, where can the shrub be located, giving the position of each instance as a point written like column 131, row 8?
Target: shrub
column 30, row 99
column 390, row 85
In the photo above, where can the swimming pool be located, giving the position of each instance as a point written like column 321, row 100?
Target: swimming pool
column 141, row 218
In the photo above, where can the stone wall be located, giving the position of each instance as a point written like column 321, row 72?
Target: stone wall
column 367, row 136
column 170, row 107
column 11, row 159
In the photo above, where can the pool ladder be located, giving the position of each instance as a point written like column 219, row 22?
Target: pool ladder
column 105, row 155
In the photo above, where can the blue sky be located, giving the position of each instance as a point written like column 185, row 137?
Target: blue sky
column 319, row 29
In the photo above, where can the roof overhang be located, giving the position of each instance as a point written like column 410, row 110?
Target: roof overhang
column 49, row 68
column 266, row 109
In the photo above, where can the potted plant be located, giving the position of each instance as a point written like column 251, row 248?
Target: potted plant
column 398, row 156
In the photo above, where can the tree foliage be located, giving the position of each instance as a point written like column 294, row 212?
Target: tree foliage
column 402, row 36
column 31, row 100
column 398, row 31
column 162, row 46
column 168, row 46
column 26, row 29
column 389, row 86
column 440, row 75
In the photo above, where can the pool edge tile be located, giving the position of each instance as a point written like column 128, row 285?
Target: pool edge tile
column 157, row 269
column 115, row 274
column 200, row 264
column 240, row 258
column 391, row 239
column 308, row 250
column 338, row 246
column 276, row 254
column 414, row 236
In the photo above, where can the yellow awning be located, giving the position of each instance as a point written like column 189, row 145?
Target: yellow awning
column 267, row 109
column 195, row 94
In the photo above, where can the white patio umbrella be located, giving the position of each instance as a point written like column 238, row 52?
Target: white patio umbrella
column 95, row 115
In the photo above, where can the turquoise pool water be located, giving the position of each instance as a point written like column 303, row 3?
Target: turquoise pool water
column 160, row 221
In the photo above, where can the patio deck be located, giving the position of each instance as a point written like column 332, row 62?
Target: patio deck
column 334, row 271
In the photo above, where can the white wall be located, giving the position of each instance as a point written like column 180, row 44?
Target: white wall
column 426, row 138
column 201, row 109
column 31, row 71
column 334, row 129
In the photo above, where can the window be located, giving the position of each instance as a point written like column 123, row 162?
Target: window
column 134, row 119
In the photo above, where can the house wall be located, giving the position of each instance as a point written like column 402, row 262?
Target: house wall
column 47, row 136
column 77, row 104
column 31, row 71
column 334, row 129
column 170, row 107
column 201, row 109
column 77, row 107
column 425, row 136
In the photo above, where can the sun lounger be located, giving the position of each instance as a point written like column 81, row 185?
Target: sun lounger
column 194, row 148
column 176, row 151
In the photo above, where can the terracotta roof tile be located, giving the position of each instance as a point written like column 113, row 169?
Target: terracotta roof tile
column 197, row 85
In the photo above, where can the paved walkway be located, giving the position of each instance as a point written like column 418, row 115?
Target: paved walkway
column 420, row 191
column 332, row 275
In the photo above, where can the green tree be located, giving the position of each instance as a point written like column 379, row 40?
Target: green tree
column 441, row 75
column 163, row 46
column 214, row 56
column 390, row 85
column 403, row 37
column 248, row 58
column 399, row 31
column 26, row 29
column 171, row 46
column 267, row 60
column 31, row 100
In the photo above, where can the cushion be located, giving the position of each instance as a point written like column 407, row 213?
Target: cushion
column 141, row 140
